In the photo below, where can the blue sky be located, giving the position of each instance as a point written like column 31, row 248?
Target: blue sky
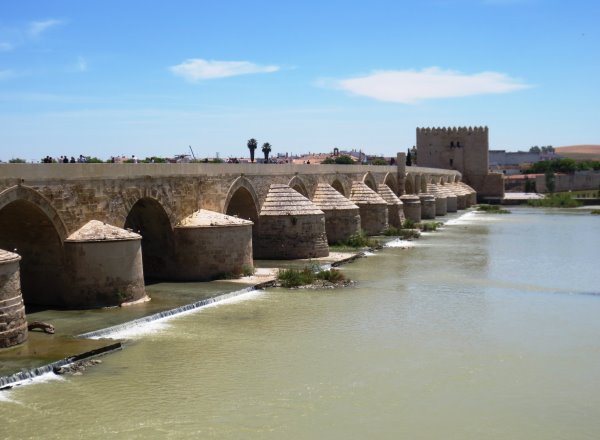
column 150, row 78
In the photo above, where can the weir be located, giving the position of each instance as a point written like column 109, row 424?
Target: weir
column 7, row 382
column 107, row 332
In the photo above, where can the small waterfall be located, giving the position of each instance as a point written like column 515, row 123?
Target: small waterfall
column 7, row 382
column 108, row 331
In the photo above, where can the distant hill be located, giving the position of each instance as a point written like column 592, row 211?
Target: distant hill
column 580, row 152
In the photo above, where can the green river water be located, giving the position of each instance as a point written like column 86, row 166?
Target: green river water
column 487, row 329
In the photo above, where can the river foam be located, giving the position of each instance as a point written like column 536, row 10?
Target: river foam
column 159, row 322
column 49, row 376
column 399, row 243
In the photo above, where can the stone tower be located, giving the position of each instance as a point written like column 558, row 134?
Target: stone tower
column 464, row 149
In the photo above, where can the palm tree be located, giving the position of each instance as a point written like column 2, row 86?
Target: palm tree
column 266, row 149
column 252, row 145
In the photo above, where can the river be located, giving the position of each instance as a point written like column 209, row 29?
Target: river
column 487, row 329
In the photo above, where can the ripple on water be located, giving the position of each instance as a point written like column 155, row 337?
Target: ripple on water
column 144, row 328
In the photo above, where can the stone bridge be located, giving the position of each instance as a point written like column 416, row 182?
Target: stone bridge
column 89, row 234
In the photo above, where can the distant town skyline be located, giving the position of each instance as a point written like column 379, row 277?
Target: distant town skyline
column 151, row 78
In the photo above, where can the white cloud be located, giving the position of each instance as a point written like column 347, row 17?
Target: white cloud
column 411, row 86
column 36, row 28
column 5, row 46
column 197, row 69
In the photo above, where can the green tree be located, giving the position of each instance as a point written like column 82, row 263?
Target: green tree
column 408, row 158
column 564, row 165
column 379, row 161
column 266, row 149
column 17, row 160
column 252, row 145
column 155, row 159
column 344, row 160
column 535, row 149
column 328, row 161
column 550, row 181
column 529, row 185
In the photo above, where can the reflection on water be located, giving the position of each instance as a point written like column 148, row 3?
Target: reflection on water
column 479, row 331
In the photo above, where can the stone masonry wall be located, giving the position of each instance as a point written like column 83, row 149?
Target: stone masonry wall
column 211, row 252
column 79, row 193
column 340, row 224
column 291, row 237
column 13, row 326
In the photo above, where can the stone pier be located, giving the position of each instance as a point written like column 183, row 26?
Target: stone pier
column 13, row 326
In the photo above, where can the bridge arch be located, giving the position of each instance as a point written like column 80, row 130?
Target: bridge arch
column 298, row 185
column 391, row 181
column 31, row 227
column 149, row 218
column 370, row 181
column 339, row 187
column 242, row 200
column 20, row 192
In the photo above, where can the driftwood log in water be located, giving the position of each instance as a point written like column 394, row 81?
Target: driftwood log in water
column 38, row 325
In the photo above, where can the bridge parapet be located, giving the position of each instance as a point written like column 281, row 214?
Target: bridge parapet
column 83, row 192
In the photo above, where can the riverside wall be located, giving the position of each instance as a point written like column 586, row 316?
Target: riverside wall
column 578, row 181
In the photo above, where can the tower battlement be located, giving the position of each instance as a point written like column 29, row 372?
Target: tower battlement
column 458, row 131
column 460, row 148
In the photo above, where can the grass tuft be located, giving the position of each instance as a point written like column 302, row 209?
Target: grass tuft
column 492, row 209
column 300, row 277
column 562, row 200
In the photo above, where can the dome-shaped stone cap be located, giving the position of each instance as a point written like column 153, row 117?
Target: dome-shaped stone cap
column 361, row 194
column 388, row 195
column 459, row 190
column 327, row 198
column 410, row 198
column 7, row 257
column 433, row 188
column 283, row 200
column 206, row 218
column 95, row 230
column 450, row 189
column 466, row 187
